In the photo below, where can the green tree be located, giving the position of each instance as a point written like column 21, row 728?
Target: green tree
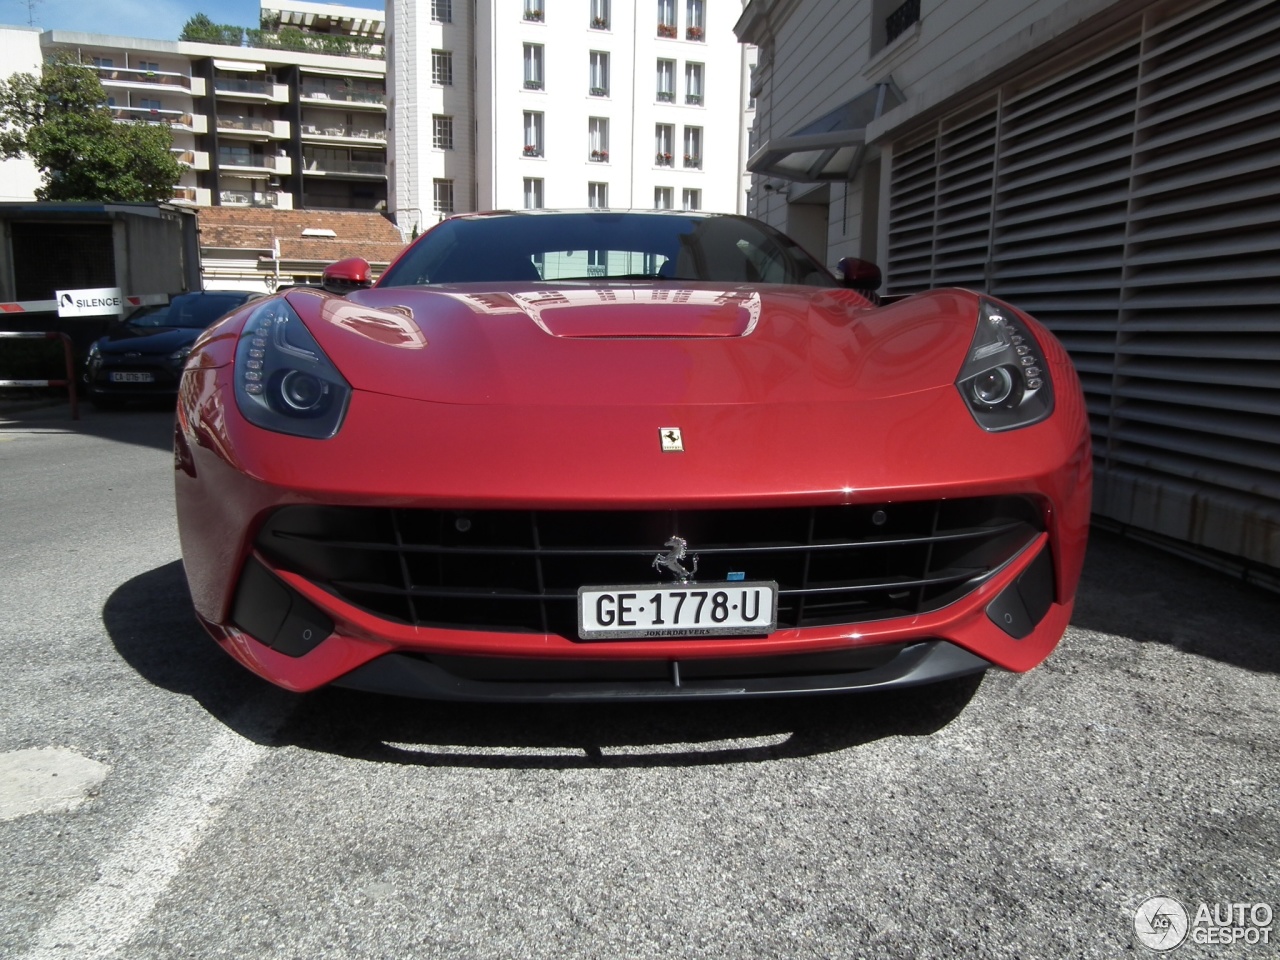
column 62, row 122
column 201, row 29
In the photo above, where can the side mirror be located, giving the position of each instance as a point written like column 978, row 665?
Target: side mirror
column 347, row 275
column 861, row 275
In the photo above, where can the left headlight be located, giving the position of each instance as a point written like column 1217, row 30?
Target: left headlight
column 1005, row 381
column 284, row 382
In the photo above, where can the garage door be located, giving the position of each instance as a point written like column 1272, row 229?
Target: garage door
column 1132, row 203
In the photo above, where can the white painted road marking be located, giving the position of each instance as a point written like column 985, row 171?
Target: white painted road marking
column 104, row 916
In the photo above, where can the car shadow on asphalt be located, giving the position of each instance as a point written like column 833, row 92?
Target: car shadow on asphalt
column 150, row 621
column 1131, row 589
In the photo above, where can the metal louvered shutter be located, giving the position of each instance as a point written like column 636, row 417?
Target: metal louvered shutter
column 1134, row 204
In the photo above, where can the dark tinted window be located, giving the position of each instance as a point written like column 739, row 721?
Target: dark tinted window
column 196, row 310
column 618, row 246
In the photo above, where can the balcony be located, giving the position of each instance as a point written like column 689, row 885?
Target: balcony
column 177, row 119
column 343, row 168
column 255, row 91
column 117, row 77
column 194, row 159
column 339, row 94
column 271, row 198
column 200, row 196
column 255, row 166
column 344, row 133
column 254, row 128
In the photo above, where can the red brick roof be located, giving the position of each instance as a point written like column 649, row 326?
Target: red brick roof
column 253, row 229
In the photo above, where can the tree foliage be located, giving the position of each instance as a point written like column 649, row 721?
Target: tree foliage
column 62, row 122
column 201, row 29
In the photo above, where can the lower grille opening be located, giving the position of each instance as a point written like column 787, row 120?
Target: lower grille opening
column 520, row 570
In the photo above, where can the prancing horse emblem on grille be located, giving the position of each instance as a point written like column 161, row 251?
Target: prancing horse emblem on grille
column 677, row 550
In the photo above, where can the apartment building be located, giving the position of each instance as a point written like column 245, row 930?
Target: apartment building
column 1110, row 167
column 256, row 126
column 524, row 104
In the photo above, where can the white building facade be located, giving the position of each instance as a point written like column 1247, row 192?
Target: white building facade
column 1110, row 167
column 577, row 103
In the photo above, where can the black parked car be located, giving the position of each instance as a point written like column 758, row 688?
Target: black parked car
column 142, row 357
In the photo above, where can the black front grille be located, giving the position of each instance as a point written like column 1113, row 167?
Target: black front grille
column 520, row 570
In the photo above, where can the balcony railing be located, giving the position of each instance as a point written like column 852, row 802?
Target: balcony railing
column 345, row 132
column 695, row 33
column 693, row 99
column 152, row 115
column 371, row 168
column 599, row 23
column 238, row 85
column 339, row 93
column 663, row 160
column 667, row 30
column 255, row 124
column 235, row 198
column 599, row 156
column 666, row 96
column 693, row 160
column 109, row 75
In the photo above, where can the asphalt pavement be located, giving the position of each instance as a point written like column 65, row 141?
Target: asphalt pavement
column 201, row 813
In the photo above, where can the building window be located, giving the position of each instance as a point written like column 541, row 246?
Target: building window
column 691, row 199
column 442, row 132
column 442, row 191
column 693, row 147
column 103, row 62
column 667, row 18
column 442, row 68
column 695, row 29
column 598, row 139
column 664, row 137
column 533, row 11
column 147, row 104
column 533, row 66
column 666, row 81
column 599, row 73
column 662, row 198
column 532, row 134
column 532, row 193
column 902, row 17
column 599, row 14
column 597, row 195
column 693, row 84
column 442, row 11
column 147, row 66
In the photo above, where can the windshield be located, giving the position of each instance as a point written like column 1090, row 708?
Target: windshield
column 192, row 310
column 605, row 246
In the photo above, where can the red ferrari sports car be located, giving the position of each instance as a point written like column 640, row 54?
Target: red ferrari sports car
column 576, row 455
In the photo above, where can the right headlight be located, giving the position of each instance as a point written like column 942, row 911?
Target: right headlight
column 284, row 382
column 1005, row 380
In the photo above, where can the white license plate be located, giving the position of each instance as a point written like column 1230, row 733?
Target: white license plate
column 720, row 609
column 126, row 376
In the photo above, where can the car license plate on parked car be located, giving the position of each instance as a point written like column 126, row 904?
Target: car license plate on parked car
column 128, row 376
column 719, row 609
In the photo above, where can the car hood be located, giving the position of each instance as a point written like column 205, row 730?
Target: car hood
column 127, row 339
column 621, row 345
